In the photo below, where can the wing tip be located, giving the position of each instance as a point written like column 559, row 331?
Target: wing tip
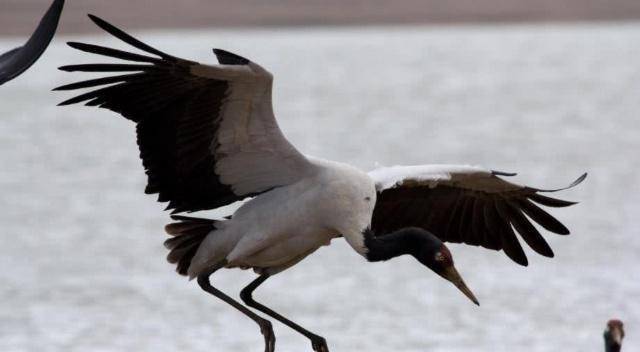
column 554, row 202
column 579, row 180
column 228, row 58
column 573, row 184
column 102, row 23
column 95, row 19
column 71, row 101
column 127, row 38
column 524, row 261
column 99, row 22
column 67, row 68
column 79, row 46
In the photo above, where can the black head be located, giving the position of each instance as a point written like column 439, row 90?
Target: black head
column 613, row 335
column 428, row 249
column 432, row 252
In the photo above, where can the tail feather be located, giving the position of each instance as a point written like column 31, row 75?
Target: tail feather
column 188, row 233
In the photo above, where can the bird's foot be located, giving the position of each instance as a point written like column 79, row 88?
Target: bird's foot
column 319, row 344
column 269, row 337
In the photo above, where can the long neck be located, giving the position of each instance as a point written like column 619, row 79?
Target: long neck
column 401, row 242
column 610, row 345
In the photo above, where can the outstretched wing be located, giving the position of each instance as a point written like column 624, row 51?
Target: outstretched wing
column 18, row 60
column 464, row 204
column 207, row 134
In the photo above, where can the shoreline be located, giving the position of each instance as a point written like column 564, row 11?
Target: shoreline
column 19, row 17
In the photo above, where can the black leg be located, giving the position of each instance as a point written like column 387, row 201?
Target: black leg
column 265, row 325
column 318, row 343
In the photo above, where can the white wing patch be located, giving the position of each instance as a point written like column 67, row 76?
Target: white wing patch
column 252, row 153
column 462, row 176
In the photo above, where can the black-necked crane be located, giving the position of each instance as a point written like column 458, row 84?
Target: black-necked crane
column 18, row 60
column 208, row 138
column 613, row 335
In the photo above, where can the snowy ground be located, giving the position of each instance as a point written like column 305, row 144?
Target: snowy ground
column 81, row 245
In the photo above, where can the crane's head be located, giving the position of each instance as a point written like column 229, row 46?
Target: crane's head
column 424, row 246
column 436, row 256
column 613, row 335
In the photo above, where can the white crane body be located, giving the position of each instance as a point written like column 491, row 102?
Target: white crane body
column 278, row 228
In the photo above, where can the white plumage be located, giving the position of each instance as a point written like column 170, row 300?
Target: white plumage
column 430, row 175
column 208, row 137
column 278, row 228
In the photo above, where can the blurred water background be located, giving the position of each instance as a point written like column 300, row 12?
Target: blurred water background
column 81, row 250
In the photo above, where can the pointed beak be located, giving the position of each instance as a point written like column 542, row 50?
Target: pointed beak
column 452, row 275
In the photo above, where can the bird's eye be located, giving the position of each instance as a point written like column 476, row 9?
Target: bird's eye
column 367, row 199
column 439, row 257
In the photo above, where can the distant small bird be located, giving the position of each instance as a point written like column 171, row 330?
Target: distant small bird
column 208, row 137
column 613, row 335
column 18, row 60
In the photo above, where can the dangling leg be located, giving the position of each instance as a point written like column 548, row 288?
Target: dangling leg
column 318, row 343
column 265, row 325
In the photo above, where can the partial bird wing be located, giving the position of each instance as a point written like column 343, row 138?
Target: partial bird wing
column 465, row 204
column 207, row 134
column 18, row 60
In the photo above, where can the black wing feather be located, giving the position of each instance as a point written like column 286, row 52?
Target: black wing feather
column 477, row 223
column 100, row 82
column 470, row 216
column 177, row 115
column 491, row 236
column 510, row 243
column 108, row 68
column 528, row 232
column 227, row 58
column 550, row 202
column 127, row 38
column 543, row 218
column 118, row 54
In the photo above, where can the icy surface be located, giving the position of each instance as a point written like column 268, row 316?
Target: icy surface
column 81, row 251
